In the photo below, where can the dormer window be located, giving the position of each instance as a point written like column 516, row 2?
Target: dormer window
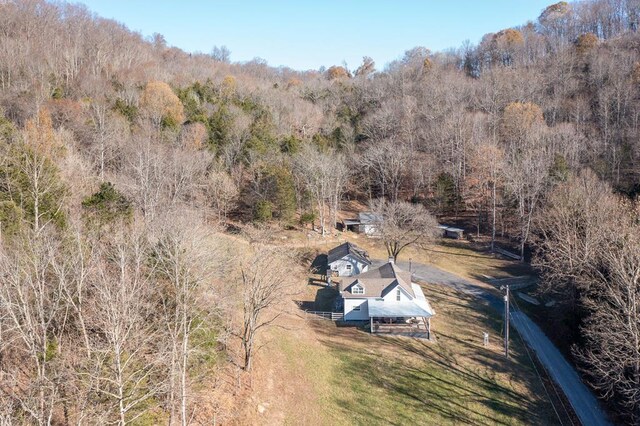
column 357, row 289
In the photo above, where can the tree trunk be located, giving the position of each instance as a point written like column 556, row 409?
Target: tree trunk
column 493, row 223
column 183, row 371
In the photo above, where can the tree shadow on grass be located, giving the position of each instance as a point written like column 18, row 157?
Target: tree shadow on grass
column 394, row 390
column 319, row 264
column 395, row 380
column 324, row 300
column 448, row 253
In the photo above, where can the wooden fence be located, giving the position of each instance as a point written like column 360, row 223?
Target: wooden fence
column 321, row 315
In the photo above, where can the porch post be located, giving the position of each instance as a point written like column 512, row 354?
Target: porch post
column 429, row 327
column 371, row 324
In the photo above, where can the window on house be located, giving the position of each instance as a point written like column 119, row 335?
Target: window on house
column 398, row 295
column 357, row 289
column 356, row 308
column 349, row 267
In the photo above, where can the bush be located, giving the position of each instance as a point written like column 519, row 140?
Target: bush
column 107, row 205
column 308, row 217
column 10, row 218
column 128, row 111
column 290, row 145
column 263, row 211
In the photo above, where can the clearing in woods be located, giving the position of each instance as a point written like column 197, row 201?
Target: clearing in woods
column 317, row 373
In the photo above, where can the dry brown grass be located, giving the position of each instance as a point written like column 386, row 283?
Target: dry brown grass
column 313, row 372
column 459, row 257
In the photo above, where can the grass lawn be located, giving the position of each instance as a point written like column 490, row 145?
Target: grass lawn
column 350, row 376
column 314, row 372
column 457, row 256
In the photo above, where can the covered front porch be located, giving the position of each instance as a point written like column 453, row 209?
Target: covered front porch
column 407, row 319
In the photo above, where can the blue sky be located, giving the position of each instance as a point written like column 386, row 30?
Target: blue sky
column 306, row 34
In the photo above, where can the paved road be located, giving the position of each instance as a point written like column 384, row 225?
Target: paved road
column 585, row 405
column 582, row 400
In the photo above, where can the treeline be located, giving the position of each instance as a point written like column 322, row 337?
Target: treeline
column 104, row 130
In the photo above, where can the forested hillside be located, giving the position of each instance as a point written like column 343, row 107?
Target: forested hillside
column 123, row 160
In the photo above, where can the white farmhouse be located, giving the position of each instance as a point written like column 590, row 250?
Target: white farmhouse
column 388, row 299
column 348, row 259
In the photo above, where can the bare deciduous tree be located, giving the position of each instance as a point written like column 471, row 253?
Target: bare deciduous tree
column 387, row 161
column 612, row 330
column 401, row 224
column 31, row 303
column 589, row 258
column 187, row 259
column 222, row 192
column 263, row 289
column 124, row 309
column 325, row 176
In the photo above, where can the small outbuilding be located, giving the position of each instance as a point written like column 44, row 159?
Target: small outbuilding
column 455, row 233
column 451, row 232
column 366, row 223
column 347, row 260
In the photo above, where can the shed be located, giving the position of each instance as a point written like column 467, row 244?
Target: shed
column 451, row 232
column 366, row 223
column 455, row 233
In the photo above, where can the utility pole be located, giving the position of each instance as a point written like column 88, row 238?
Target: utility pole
column 506, row 320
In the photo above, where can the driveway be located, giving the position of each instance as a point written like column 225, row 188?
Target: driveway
column 584, row 403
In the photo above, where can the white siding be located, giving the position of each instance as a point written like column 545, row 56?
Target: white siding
column 350, row 314
column 340, row 266
column 368, row 229
column 391, row 297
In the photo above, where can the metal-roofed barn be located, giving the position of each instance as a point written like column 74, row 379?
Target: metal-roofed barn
column 366, row 223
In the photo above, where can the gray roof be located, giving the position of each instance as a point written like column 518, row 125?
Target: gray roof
column 450, row 228
column 378, row 308
column 378, row 282
column 343, row 250
column 367, row 218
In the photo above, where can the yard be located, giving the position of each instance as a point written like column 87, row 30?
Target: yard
column 313, row 372
column 321, row 373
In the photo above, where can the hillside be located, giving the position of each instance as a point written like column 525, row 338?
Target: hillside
column 148, row 196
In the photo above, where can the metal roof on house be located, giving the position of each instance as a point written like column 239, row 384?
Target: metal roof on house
column 382, row 309
column 345, row 249
column 367, row 218
column 381, row 281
